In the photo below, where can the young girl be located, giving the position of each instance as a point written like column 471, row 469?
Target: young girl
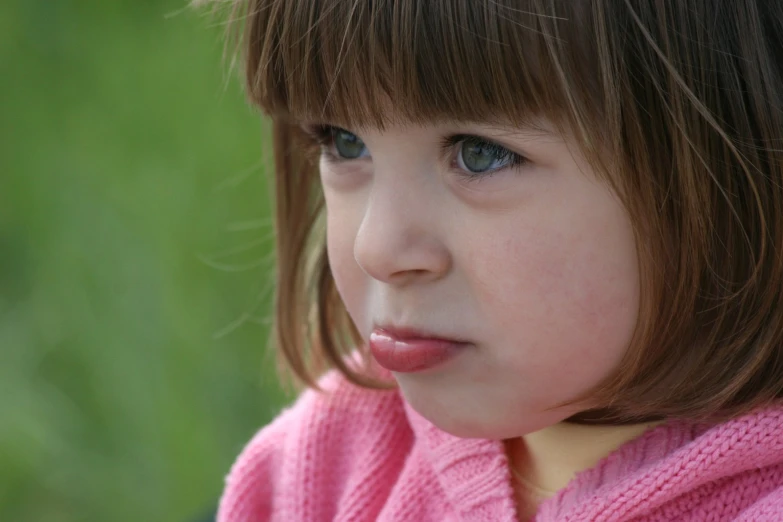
column 530, row 260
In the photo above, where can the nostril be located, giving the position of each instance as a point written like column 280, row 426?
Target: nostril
column 402, row 259
column 398, row 241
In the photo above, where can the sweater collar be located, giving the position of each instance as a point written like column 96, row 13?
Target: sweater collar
column 475, row 476
column 473, row 473
column 667, row 462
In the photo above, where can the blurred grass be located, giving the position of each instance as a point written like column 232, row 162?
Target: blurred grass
column 134, row 263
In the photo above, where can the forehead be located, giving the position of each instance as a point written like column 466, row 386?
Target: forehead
column 537, row 129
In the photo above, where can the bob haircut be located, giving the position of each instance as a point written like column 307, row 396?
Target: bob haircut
column 677, row 105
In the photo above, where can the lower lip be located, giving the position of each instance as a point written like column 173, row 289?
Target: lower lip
column 408, row 355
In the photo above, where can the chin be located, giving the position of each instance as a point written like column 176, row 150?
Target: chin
column 461, row 422
column 484, row 423
column 464, row 428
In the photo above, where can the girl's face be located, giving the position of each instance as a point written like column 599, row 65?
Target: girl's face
column 496, row 235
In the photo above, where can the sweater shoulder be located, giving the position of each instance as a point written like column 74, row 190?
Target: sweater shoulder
column 312, row 451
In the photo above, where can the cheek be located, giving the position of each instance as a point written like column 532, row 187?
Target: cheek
column 565, row 293
column 350, row 280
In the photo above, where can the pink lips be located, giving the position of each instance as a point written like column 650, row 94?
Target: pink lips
column 410, row 352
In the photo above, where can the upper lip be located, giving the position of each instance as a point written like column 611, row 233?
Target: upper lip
column 408, row 333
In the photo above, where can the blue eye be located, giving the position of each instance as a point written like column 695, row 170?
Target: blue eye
column 347, row 144
column 479, row 156
column 476, row 158
column 336, row 143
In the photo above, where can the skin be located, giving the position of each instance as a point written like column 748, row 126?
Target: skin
column 535, row 265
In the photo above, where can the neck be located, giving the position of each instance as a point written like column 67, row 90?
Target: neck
column 545, row 461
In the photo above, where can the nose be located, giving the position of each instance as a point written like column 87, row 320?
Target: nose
column 398, row 241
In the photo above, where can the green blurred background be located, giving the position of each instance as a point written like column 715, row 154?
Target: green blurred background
column 135, row 262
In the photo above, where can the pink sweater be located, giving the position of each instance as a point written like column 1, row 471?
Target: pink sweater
column 355, row 455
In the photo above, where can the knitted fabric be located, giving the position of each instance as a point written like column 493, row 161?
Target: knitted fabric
column 358, row 455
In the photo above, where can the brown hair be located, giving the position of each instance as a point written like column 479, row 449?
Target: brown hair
column 677, row 105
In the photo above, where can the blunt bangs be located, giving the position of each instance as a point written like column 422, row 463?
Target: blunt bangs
column 364, row 62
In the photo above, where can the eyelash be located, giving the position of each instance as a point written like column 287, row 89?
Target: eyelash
column 323, row 136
